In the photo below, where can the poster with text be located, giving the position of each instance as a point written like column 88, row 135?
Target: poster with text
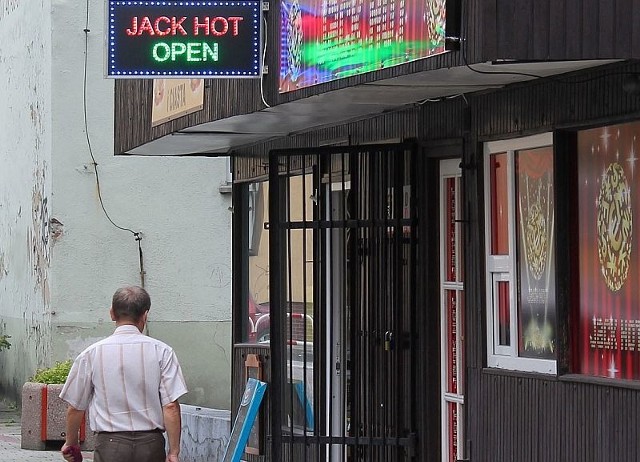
column 609, row 265
column 325, row 40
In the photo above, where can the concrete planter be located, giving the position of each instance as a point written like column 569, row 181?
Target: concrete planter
column 205, row 433
column 44, row 418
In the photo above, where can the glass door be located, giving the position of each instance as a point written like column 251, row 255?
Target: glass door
column 451, row 310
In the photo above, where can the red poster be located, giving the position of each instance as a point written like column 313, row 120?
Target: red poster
column 609, row 338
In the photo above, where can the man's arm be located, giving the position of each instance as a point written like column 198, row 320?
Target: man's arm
column 173, row 426
column 74, row 420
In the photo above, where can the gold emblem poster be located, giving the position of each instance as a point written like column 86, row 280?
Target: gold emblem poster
column 536, row 262
column 609, row 340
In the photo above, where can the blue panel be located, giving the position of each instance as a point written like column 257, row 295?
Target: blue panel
column 249, row 406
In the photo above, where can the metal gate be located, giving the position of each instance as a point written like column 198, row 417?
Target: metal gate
column 344, row 245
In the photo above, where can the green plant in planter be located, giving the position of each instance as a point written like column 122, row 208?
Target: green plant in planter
column 56, row 374
column 4, row 343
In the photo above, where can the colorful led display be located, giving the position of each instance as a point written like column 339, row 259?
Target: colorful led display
column 325, row 40
column 184, row 39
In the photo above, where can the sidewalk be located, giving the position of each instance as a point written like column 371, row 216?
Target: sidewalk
column 10, row 441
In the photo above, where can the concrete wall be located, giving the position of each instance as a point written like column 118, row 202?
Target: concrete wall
column 174, row 203
column 25, row 189
column 82, row 257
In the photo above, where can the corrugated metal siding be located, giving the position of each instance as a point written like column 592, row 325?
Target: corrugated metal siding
column 559, row 29
column 225, row 98
column 134, row 98
column 579, row 99
column 250, row 163
column 533, row 419
column 492, row 29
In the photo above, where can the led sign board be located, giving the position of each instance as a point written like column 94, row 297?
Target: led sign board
column 325, row 40
column 177, row 39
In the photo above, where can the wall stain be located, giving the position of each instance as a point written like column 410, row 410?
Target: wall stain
column 8, row 6
column 38, row 235
column 221, row 276
column 3, row 267
column 56, row 228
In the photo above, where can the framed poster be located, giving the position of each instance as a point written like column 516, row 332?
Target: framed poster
column 609, row 263
column 536, row 262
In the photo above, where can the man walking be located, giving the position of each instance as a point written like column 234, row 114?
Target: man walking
column 130, row 384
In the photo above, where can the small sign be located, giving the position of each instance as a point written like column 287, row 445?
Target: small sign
column 173, row 98
column 180, row 39
column 253, row 394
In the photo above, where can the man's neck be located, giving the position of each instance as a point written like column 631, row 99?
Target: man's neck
column 139, row 326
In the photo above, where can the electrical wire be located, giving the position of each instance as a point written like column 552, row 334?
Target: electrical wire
column 264, row 54
column 137, row 235
column 443, row 98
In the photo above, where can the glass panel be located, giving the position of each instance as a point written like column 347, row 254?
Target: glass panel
column 299, row 326
column 535, row 237
column 461, row 356
column 299, row 254
column 450, row 238
column 608, row 343
column 452, row 341
column 499, row 204
column 504, row 314
column 258, row 299
column 453, row 431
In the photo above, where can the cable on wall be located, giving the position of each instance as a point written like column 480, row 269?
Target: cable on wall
column 264, row 54
column 136, row 234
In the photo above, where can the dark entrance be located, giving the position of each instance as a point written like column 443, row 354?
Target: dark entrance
column 349, row 254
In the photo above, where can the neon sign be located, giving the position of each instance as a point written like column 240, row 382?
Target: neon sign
column 326, row 40
column 180, row 39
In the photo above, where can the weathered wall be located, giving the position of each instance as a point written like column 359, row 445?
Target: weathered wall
column 25, row 189
column 174, row 203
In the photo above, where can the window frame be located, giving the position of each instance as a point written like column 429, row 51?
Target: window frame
column 504, row 267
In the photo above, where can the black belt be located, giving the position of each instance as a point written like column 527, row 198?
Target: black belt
column 135, row 432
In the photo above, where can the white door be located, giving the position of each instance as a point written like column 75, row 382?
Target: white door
column 336, row 379
column 451, row 311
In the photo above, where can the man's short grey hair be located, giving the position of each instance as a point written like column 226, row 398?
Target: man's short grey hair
column 130, row 302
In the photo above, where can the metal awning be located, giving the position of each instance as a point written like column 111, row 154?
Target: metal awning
column 337, row 107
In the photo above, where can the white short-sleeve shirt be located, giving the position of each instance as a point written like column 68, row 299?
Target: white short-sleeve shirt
column 124, row 380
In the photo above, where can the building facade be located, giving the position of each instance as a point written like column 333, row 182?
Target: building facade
column 77, row 223
column 443, row 250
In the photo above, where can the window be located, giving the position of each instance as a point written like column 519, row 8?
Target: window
column 520, row 263
column 608, row 341
column 258, row 326
column 299, row 252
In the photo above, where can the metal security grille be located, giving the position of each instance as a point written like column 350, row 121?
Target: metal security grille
column 343, row 247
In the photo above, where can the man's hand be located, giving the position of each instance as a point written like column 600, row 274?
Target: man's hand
column 172, row 458
column 71, row 449
column 71, row 453
column 65, row 454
